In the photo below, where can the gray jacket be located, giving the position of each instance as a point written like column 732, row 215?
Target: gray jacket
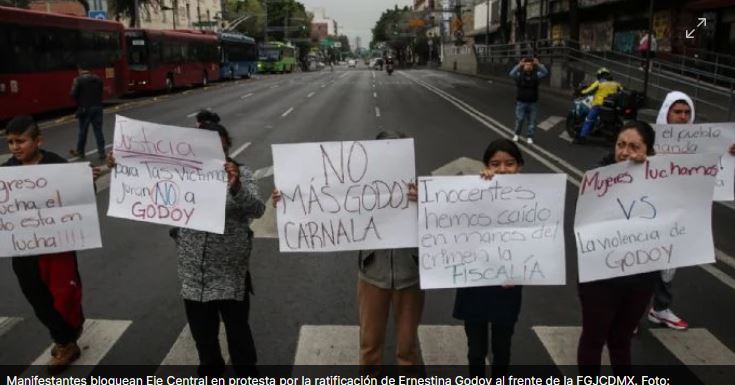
column 215, row 266
column 389, row 268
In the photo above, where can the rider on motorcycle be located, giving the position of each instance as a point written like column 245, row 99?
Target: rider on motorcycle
column 603, row 87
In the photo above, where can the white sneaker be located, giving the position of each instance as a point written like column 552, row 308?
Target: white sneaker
column 529, row 141
column 515, row 138
column 668, row 318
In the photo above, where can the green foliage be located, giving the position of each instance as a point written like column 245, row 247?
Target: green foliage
column 392, row 29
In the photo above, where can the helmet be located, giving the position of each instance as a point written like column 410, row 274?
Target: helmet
column 604, row 73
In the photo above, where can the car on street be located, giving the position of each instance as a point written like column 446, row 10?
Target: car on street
column 351, row 63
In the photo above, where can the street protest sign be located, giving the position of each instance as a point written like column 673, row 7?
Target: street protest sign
column 636, row 218
column 345, row 195
column 168, row 175
column 47, row 209
column 506, row 231
column 705, row 138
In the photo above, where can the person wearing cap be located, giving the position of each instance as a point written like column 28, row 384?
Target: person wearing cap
column 527, row 74
column 603, row 87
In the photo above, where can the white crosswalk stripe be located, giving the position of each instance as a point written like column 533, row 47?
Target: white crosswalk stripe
column 7, row 323
column 184, row 351
column 443, row 345
column 263, row 173
column 565, row 137
column 550, row 122
column 96, row 341
column 328, row 345
column 265, row 226
column 561, row 343
column 695, row 347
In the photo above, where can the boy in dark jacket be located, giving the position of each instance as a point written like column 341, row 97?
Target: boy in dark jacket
column 527, row 75
column 50, row 282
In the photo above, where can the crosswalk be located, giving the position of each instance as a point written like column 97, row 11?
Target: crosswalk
column 338, row 345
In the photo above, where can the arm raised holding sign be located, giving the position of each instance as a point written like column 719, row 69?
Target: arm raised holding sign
column 500, row 306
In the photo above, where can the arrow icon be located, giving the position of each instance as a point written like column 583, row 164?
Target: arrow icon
column 702, row 21
column 690, row 33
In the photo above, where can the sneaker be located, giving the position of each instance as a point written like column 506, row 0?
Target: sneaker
column 62, row 356
column 668, row 318
column 529, row 140
column 515, row 138
column 77, row 154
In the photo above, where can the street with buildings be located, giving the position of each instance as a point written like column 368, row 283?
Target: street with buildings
column 452, row 94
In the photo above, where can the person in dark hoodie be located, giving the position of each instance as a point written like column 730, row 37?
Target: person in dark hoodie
column 88, row 91
column 527, row 75
column 50, row 282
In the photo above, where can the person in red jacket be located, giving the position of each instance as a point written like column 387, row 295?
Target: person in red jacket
column 50, row 282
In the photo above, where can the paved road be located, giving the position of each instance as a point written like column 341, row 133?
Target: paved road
column 304, row 308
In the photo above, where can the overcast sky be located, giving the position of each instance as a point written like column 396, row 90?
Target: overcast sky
column 355, row 17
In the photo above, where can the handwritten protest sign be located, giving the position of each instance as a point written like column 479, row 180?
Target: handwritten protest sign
column 168, row 175
column 706, row 138
column 474, row 232
column 47, row 209
column 635, row 218
column 345, row 195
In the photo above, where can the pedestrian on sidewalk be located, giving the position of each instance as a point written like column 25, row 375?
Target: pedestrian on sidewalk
column 50, row 282
column 603, row 87
column 527, row 75
column 648, row 43
column 612, row 308
column 387, row 277
column 87, row 91
column 497, row 305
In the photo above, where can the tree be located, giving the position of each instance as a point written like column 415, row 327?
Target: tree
column 126, row 8
column 254, row 13
column 15, row 3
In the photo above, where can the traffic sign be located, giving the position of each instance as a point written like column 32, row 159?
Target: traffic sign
column 96, row 14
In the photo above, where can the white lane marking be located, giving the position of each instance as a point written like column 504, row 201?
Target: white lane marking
column 96, row 341
column 263, row 173
column 343, row 75
column 561, row 343
column 328, row 345
column 265, row 226
column 323, row 85
column 275, row 86
column 724, row 258
column 88, row 153
column 695, row 347
column 246, row 96
column 193, row 114
column 287, row 112
column 375, row 95
column 310, row 95
column 240, row 149
column 536, row 152
column 550, row 122
column 377, row 112
column 7, row 323
column 565, row 137
column 443, row 345
column 184, row 351
column 373, row 72
column 490, row 82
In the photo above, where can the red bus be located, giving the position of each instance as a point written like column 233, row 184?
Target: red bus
column 41, row 53
column 162, row 60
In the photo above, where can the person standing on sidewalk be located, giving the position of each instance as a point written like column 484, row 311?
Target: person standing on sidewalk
column 527, row 74
column 50, row 282
column 87, row 91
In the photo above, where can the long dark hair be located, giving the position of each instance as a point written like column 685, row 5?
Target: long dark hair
column 221, row 130
column 504, row 145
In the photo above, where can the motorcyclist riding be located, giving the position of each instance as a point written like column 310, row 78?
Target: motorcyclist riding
column 602, row 88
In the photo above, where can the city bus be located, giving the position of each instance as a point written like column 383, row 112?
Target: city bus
column 42, row 54
column 238, row 55
column 165, row 59
column 277, row 57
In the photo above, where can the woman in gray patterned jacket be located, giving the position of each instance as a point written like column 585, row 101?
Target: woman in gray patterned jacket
column 215, row 276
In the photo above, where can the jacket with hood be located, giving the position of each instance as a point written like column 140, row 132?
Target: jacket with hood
column 671, row 98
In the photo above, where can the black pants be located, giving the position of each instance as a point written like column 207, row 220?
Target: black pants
column 477, row 343
column 42, row 301
column 204, row 319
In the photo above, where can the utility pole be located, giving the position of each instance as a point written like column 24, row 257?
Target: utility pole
column 647, row 70
column 487, row 24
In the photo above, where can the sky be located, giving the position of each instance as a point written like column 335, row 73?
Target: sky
column 355, row 17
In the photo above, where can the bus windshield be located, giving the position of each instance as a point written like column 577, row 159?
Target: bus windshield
column 137, row 53
column 272, row 54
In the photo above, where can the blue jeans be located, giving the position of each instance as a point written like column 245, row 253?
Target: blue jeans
column 93, row 116
column 589, row 122
column 526, row 111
